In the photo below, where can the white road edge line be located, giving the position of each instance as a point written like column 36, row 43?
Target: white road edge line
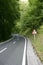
column 24, row 55
column 3, row 50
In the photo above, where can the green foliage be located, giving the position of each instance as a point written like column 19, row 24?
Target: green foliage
column 34, row 17
column 23, row 12
column 9, row 12
column 31, row 16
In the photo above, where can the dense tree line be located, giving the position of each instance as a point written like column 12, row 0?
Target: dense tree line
column 9, row 12
column 34, row 15
column 30, row 14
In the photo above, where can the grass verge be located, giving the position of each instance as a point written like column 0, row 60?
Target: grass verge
column 38, row 43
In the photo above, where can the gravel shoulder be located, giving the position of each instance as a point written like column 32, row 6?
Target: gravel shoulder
column 32, row 57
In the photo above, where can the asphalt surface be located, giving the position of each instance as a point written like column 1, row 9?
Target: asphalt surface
column 11, row 53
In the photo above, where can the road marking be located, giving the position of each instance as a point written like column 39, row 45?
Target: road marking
column 24, row 55
column 3, row 50
column 14, row 42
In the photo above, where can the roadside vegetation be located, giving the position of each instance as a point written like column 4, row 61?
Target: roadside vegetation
column 38, row 43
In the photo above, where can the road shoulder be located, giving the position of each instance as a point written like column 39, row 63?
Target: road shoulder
column 32, row 57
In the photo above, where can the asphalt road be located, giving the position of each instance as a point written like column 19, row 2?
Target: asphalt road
column 11, row 53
